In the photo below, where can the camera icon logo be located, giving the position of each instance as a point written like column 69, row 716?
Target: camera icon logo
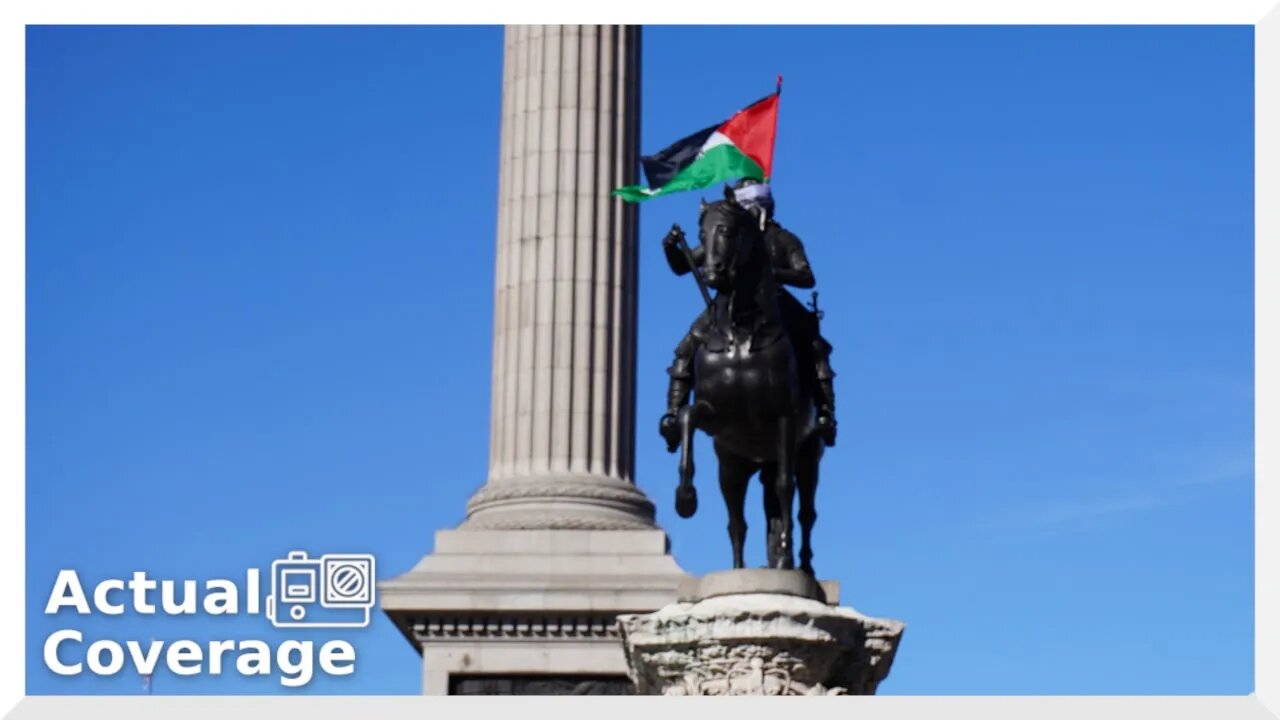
column 330, row 591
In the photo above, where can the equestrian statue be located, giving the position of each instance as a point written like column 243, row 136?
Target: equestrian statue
column 757, row 368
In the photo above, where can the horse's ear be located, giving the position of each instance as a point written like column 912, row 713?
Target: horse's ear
column 729, row 196
column 702, row 205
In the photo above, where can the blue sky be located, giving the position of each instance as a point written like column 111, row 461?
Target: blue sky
column 248, row 249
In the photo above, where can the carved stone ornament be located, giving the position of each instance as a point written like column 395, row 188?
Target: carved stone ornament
column 758, row 644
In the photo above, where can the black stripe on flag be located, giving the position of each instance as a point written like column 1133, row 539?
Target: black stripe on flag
column 661, row 167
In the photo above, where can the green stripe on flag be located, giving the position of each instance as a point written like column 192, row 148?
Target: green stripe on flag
column 722, row 162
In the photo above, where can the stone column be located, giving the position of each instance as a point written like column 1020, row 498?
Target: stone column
column 562, row 434
column 524, row 595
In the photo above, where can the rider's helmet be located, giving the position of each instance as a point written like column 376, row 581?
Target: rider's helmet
column 751, row 192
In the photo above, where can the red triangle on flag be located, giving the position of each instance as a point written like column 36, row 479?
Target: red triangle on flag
column 752, row 130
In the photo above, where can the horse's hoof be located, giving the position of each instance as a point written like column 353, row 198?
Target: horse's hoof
column 686, row 501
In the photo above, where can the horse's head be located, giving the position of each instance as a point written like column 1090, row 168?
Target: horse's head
column 730, row 233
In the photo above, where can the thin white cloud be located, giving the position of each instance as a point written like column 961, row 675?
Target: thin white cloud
column 1076, row 512
column 1236, row 468
column 1070, row 513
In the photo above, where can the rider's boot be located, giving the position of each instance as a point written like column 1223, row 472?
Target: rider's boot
column 826, row 420
column 826, row 394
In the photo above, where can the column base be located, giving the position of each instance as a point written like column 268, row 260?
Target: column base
column 559, row 502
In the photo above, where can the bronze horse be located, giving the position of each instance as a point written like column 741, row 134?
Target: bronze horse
column 747, row 393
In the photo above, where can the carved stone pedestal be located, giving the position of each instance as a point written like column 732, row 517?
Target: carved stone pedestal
column 777, row 642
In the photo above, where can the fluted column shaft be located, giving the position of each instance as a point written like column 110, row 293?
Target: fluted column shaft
column 562, row 430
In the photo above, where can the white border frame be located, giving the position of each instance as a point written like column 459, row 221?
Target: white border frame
column 13, row 390
column 1262, row 13
column 1266, row 361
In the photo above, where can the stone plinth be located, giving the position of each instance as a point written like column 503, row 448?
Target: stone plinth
column 758, row 643
column 528, row 603
column 759, row 580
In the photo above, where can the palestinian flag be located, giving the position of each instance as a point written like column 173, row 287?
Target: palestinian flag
column 742, row 146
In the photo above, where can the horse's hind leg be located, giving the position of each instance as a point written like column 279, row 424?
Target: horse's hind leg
column 807, row 488
column 686, row 494
column 772, row 513
column 735, row 474
column 785, row 486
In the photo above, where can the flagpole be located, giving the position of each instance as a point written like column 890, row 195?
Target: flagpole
column 773, row 141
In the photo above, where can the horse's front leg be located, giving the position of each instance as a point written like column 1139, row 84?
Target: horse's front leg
column 686, row 494
column 785, row 489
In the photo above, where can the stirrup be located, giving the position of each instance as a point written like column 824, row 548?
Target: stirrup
column 670, row 433
column 826, row 427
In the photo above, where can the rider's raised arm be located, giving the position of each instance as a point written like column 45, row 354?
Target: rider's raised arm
column 676, row 259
